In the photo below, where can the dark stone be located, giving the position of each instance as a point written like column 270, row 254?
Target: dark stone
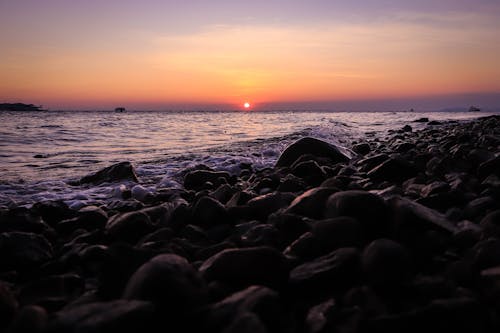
column 434, row 188
column 22, row 219
column 422, row 120
column 393, row 169
column 489, row 167
column 311, row 203
column 292, row 183
column 407, row 128
column 487, row 254
column 21, row 250
column 332, row 272
column 89, row 218
column 491, row 224
column 129, row 227
column 223, row 193
column 310, row 146
column 368, row 208
column 30, row 319
column 243, row 267
column 246, row 322
column 480, row 206
column 361, row 148
column 169, row 282
column 52, row 292
column 196, row 180
column 434, row 122
column 115, row 316
column 209, row 212
column 261, row 235
column 125, row 205
column 372, row 161
column 116, row 172
column 290, row 226
column 386, row 263
column 8, row 306
column 319, row 317
column 53, row 211
column 261, row 302
column 404, row 147
column 310, row 171
column 239, row 198
column 266, row 204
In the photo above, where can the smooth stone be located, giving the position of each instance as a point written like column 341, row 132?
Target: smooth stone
column 169, row 282
column 209, row 212
column 311, row 203
column 385, row 263
column 434, row 188
column 332, row 272
column 310, row 171
column 393, row 169
column 491, row 224
column 30, row 319
column 197, row 179
column 22, row 219
column 480, row 206
column 261, row 235
column 141, row 193
column 266, row 204
column 246, row 266
column 22, row 250
column 290, row 226
column 129, row 227
column 362, row 148
column 372, row 161
column 116, row 172
column 53, row 212
column 491, row 166
column 310, row 146
column 319, row 317
column 114, row 316
column 368, row 208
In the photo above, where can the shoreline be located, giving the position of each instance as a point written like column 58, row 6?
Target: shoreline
column 403, row 236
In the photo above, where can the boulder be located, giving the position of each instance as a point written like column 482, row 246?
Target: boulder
column 255, row 265
column 169, row 282
column 129, row 227
column 311, row 203
column 116, row 172
column 196, row 180
column 310, row 146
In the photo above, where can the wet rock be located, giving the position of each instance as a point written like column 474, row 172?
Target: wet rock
column 209, row 212
column 113, row 173
column 368, row 208
column 129, row 227
column 169, row 282
column 332, row 272
column 141, row 193
column 30, row 319
column 361, row 148
column 53, row 211
column 243, row 267
column 89, row 218
column 240, row 198
column 310, row 171
column 114, row 316
column 290, row 226
column 407, row 128
column 223, row 193
column 422, row 120
column 310, row 146
column 393, row 169
column 21, row 250
column 292, row 183
column 311, row 203
column 372, row 161
column 125, row 205
column 197, row 180
column 22, row 219
column 266, row 204
column 386, row 263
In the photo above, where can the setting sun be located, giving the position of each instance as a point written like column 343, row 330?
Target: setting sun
column 246, row 105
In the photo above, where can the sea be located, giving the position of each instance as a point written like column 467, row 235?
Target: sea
column 42, row 151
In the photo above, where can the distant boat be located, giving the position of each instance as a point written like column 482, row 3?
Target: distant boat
column 120, row 109
column 474, row 109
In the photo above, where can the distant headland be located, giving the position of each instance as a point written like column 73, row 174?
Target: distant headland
column 20, row 107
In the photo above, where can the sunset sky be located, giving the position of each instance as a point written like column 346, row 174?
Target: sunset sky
column 275, row 54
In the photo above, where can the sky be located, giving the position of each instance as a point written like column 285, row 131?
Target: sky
column 275, row 54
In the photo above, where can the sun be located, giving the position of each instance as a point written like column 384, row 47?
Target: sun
column 246, row 105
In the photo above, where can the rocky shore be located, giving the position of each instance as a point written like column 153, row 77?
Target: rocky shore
column 398, row 234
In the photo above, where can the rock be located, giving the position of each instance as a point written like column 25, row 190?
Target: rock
column 243, row 267
column 169, row 282
column 8, row 306
column 114, row 316
column 30, row 319
column 209, row 212
column 53, row 212
column 266, row 204
column 368, row 208
column 311, row 203
column 393, row 169
column 480, row 206
column 491, row 224
column 310, row 146
column 89, row 218
column 246, row 322
column 291, row 183
column 422, row 120
column 491, row 166
column 125, row 205
column 361, row 148
column 371, row 162
column 52, row 292
column 196, row 180
column 129, row 227
column 141, row 193
column 116, row 172
column 22, row 219
column 434, row 188
column 434, row 122
column 407, row 128
column 21, row 250
column 386, row 263
column 318, row 318
column 259, row 301
column 261, row 235
column 332, row 272
column 487, row 254
column 310, row 171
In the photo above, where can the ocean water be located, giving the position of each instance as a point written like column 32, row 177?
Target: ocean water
column 41, row 151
